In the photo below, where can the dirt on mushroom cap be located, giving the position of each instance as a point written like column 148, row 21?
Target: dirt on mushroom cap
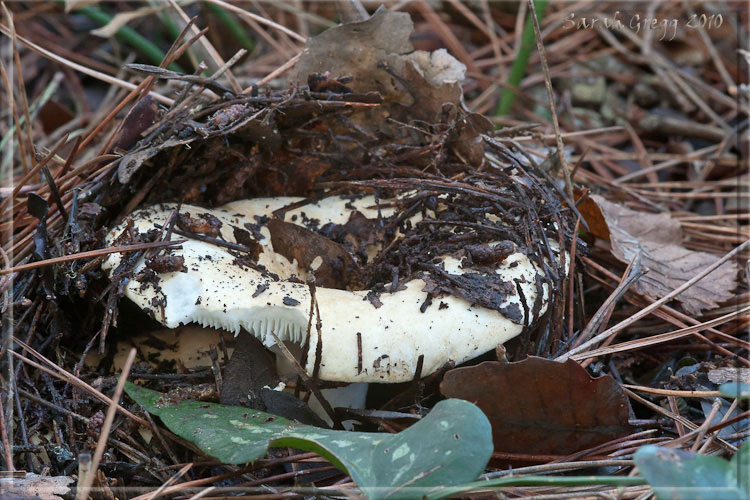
column 392, row 333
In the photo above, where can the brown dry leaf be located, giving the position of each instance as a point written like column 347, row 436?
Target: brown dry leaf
column 140, row 117
column 132, row 161
column 250, row 368
column 354, row 49
column 54, row 115
column 332, row 265
column 378, row 55
column 467, row 139
column 659, row 238
column 542, row 406
column 592, row 214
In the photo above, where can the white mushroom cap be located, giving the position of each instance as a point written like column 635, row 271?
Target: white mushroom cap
column 357, row 342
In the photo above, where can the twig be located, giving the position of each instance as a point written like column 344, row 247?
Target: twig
column 658, row 409
column 632, row 274
column 309, row 382
column 278, row 71
column 31, row 173
column 557, row 466
column 669, row 126
column 724, row 419
column 715, row 407
column 169, row 482
column 52, row 406
column 218, row 60
column 668, row 314
column 25, row 105
column 90, row 254
column 144, row 88
column 203, row 493
column 550, row 95
column 669, row 392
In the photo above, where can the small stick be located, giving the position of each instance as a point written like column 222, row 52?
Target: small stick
column 673, row 406
column 715, row 407
column 548, row 84
column 208, row 46
column 632, row 274
column 725, row 418
column 169, row 482
column 144, row 88
column 259, row 19
column 202, row 493
column 90, row 254
column 52, row 406
column 32, row 172
column 669, row 392
column 669, row 314
column 660, row 338
column 278, row 71
column 83, row 69
column 55, row 193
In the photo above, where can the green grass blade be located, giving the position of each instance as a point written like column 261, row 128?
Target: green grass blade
column 129, row 36
column 518, row 70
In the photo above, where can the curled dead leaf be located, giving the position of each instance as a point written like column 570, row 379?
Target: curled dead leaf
column 659, row 238
column 378, row 56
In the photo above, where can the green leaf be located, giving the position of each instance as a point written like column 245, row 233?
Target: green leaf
column 451, row 445
column 735, row 390
column 684, row 475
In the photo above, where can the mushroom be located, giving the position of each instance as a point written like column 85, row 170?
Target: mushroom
column 266, row 295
